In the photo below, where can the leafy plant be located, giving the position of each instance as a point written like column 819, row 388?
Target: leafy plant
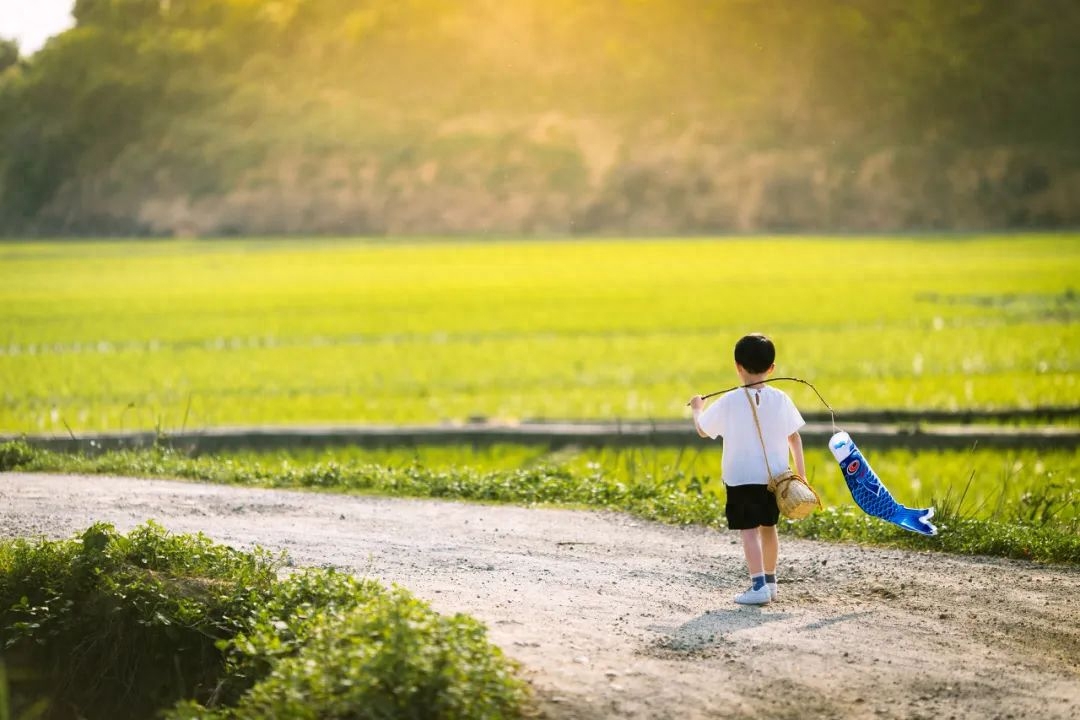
column 109, row 625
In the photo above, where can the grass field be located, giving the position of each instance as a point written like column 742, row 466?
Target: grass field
column 145, row 334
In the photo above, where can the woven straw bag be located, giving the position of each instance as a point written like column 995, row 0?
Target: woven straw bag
column 794, row 496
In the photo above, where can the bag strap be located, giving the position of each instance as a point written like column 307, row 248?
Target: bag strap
column 757, row 424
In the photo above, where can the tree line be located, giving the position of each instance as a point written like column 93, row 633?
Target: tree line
column 380, row 116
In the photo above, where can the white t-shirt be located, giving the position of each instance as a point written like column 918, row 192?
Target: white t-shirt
column 730, row 417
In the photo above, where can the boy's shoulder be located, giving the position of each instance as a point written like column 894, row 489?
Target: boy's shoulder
column 731, row 395
column 778, row 391
column 733, row 398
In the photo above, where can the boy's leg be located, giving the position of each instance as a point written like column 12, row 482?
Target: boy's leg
column 758, row 594
column 770, row 551
column 770, row 548
column 751, row 545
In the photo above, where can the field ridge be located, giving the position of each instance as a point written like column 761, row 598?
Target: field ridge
column 553, row 434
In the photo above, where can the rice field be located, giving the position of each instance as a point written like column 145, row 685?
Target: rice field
column 195, row 334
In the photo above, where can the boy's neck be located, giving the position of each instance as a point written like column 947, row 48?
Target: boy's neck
column 753, row 378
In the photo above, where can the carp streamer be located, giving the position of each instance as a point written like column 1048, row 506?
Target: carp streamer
column 870, row 494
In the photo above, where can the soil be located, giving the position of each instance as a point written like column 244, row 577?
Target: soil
column 614, row 617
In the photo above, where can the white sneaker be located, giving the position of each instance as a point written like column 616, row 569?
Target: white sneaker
column 755, row 597
column 773, row 592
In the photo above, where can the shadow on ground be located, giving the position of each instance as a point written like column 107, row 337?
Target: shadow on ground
column 712, row 628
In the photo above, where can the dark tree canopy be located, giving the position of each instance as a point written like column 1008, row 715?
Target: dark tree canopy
column 606, row 115
column 9, row 53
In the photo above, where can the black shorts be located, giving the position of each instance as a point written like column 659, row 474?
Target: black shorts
column 750, row 506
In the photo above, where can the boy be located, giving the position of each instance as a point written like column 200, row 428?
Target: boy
column 750, row 507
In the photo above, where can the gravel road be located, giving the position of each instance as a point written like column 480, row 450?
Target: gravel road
column 614, row 617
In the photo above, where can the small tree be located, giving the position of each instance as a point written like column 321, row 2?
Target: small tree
column 9, row 53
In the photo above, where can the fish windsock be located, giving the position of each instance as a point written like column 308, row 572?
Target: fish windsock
column 870, row 494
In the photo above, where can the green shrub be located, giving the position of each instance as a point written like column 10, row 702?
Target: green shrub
column 390, row 658
column 16, row 455
column 106, row 625
column 125, row 625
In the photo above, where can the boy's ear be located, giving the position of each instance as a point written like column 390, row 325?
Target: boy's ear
column 771, row 368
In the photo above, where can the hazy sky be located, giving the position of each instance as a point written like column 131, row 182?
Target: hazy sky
column 31, row 22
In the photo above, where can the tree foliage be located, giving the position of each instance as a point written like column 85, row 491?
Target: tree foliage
column 196, row 97
column 9, row 53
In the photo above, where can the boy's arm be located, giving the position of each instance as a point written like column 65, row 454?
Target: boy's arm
column 696, row 405
column 795, row 442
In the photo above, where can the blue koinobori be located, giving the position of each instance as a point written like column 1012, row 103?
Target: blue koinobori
column 870, row 494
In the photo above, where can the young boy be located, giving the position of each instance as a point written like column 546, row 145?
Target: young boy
column 751, row 508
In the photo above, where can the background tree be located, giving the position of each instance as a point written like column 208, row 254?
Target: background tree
column 9, row 53
column 608, row 115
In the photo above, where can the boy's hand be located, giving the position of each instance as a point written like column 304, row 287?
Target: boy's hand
column 696, row 403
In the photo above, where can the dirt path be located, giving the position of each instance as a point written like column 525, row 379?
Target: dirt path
column 616, row 617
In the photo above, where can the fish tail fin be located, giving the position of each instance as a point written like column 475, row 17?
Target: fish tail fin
column 916, row 519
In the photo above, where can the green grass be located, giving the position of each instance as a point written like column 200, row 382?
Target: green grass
column 150, row 624
column 171, row 334
column 1019, row 504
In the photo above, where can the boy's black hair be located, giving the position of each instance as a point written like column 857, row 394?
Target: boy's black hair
column 755, row 352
